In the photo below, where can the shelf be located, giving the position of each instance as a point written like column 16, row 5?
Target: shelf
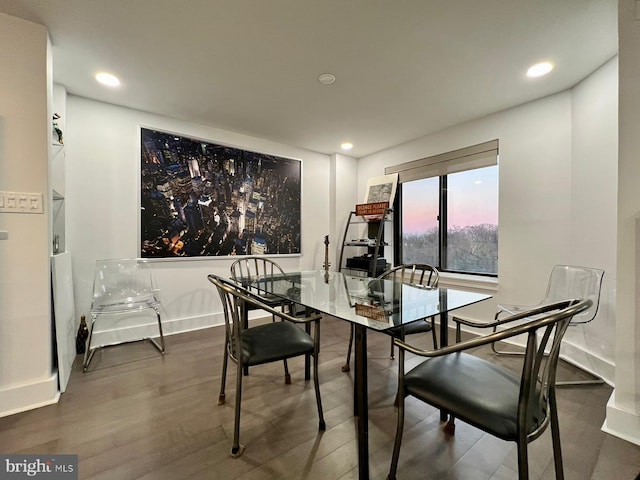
column 372, row 241
column 363, row 221
column 364, row 244
column 363, row 272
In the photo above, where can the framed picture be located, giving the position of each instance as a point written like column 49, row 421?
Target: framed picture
column 201, row 199
column 381, row 189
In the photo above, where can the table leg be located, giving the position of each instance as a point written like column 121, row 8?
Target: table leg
column 444, row 341
column 307, row 357
column 361, row 401
column 245, row 325
column 444, row 329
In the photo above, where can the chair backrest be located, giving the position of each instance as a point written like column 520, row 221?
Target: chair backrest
column 544, row 337
column 247, row 270
column 232, row 305
column 122, row 284
column 413, row 274
column 234, row 299
column 568, row 281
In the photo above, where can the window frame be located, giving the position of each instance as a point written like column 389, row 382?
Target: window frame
column 465, row 159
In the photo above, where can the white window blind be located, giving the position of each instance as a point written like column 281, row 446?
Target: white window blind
column 469, row 158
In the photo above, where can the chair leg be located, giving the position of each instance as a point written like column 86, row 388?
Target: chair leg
column 307, row 357
column 88, row 352
column 555, row 436
column 433, row 334
column 223, row 379
column 322, row 426
column 523, row 459
column 493, row 345
column 573, row 383
column 236, row 448
column 159, row 346
column 398, row 440
column 287, row 376
column 346, row 367
column 504, row 352
column 450, row 427
column 392, row 355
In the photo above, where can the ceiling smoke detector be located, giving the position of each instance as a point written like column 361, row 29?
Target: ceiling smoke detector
column 327, row 78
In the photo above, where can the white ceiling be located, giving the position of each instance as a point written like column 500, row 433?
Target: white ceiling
column 404, row 68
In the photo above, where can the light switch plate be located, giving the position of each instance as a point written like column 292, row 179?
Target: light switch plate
column 21, row 202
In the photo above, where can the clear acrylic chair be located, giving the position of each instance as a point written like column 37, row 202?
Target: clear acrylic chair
column 566, row 281
column 121, row 287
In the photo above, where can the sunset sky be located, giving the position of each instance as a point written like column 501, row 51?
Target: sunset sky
column 473, row 200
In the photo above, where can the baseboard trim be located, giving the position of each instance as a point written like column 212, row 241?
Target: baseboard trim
column 27, row 396
column 124, row 332
column 621, row 423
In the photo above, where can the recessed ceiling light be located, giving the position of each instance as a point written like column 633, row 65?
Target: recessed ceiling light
column 346, row 146
column 539, row 69
column 107, row 79
column 327, row 78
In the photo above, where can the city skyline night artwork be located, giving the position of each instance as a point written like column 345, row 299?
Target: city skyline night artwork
column 201, row 199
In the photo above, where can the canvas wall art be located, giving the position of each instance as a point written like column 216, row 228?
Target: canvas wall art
column 201, row 199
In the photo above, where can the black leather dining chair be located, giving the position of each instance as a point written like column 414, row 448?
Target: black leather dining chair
column 248, row 269
column 261, row 344
column 419, row 275
column 512, row 406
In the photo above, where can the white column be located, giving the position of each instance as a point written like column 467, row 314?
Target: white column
column 623, row 409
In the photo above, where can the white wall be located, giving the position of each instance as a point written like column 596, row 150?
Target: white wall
column 594, row 186
column 541, row 222
column 26, row 376
column 102, row 201
column 344, row 197
column 623, row 409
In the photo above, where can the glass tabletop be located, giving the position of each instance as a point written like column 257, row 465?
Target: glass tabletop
column 375, row 303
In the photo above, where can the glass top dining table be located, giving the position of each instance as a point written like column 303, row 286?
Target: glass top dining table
column 376, row 304
column 368, row 304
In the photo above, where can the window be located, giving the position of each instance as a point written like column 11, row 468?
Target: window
column 448, row 211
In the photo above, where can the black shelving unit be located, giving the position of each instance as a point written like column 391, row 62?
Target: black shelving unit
column 373, row 243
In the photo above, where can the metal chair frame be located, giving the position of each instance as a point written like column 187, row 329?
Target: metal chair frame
column 235, row 300
column 245, row 271
column 537, row 385
column 419, row 274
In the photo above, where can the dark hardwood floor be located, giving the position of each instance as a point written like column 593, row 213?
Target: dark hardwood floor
column 138, row 415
